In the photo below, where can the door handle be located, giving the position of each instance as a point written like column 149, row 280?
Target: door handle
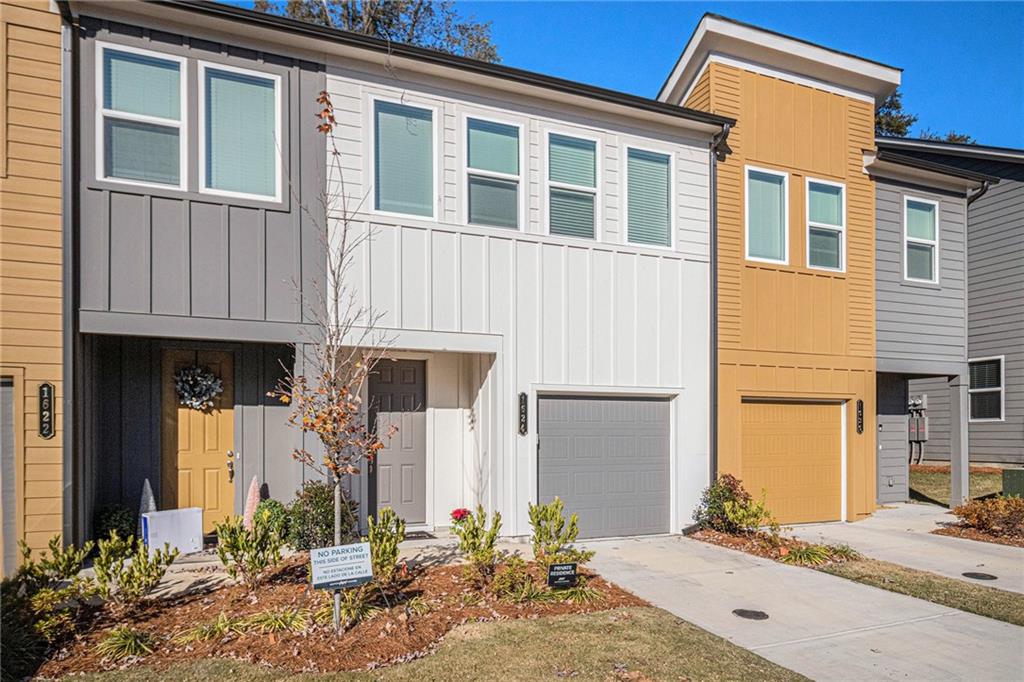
column 231, row 466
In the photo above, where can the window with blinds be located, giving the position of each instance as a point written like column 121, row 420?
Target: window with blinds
column 766, row 216
column 141, row 117
column 572, row 186
column 826, row 225
column 403, row 159
column 492, row 172
column 986, row 389
column 240, row 133
column 649, row 197
column 921, row 240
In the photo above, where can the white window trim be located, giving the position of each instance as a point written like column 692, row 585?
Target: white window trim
column 278, row 144
column 436, row 123
column 934, row 243
column 841, row 229
column 466, row 170
column 102, row 113
column 1001, row 389
column 671, row 246
column 785, row 214
column 549, row 184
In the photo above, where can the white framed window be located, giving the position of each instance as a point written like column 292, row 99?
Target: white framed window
column 404, row 158
column 493, row 172
column 826, row 225
column 649, row 197
column 920, row 240
column 572, row 171
column 140, row 108
column 987, row 388
column 239, row 132
column 767, row 215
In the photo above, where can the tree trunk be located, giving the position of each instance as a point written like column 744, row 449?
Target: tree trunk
column 337, row 541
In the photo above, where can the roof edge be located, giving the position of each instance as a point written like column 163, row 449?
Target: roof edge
column 976, row 151
column 935, row 167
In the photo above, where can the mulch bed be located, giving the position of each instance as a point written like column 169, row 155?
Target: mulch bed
column 970, row 533
column 390, row 636
column 758, row 545
column 944, row 469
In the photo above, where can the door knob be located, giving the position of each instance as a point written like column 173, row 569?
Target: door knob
column 231, row 465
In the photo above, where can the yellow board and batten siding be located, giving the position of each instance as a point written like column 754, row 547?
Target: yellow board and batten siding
column 30, row 253
column 787, row 332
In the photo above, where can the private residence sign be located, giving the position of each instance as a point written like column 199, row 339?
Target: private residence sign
column 336, row 568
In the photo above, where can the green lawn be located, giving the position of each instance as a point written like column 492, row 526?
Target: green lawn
column 932, row 486
column 956, row 594
column 624, row 644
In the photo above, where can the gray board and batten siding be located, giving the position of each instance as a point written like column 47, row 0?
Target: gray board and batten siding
column 166, row 262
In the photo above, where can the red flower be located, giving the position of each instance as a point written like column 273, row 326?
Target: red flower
column 459, row 514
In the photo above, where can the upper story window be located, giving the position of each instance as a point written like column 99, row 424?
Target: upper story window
column 493, row 175
column 572, row 186
column 826, row 225
column 920, row 240
column 767, row 216
column 986, row 389
column 139, row 118
column 648, row 197
column 403, row 159
column 240, row 132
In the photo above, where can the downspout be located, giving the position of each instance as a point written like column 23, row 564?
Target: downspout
column 719, row 151
column 980, row 193
column 71, row 523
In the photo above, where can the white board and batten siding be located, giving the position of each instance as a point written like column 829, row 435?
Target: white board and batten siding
column 545, row 314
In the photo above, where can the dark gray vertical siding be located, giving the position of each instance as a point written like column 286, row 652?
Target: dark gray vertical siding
column 185, row 254
column 919, row 321
column 892, row 470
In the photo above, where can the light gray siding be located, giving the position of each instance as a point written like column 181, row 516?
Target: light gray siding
column 169, row 262
column 922, row 327
column 937, row 390
column 893, row 462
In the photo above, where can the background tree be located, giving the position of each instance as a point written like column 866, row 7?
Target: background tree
column 890, row 119
column 436, row 24
column 951, row 136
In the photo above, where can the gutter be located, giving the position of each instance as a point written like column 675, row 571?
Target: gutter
column 980, row 193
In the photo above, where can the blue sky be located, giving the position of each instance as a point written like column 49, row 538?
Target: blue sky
column 963, row 62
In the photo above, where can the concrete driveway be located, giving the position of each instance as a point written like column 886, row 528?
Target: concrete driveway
column 902, row 535
column 824, row 627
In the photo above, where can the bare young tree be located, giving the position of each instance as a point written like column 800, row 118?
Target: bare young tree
column 334, row 362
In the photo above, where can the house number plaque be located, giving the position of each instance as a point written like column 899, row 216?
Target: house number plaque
column 860, row 416
column 46, row 410
column 523, row 417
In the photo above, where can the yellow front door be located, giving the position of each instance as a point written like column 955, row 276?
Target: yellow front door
column 196, row 443
column 793, row 452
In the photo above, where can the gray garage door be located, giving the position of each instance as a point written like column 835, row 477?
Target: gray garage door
column 608, row 459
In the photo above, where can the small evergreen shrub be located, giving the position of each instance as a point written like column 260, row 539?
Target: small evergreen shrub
column 123, row 643
column 553, row 536
column 218, row 628
column 288, row 619
column 512, row 580
column 277, row 515
column 386, row 532
column 995, row 515
column 356, row 605
column 749, row 516
column 477, row 542
column 126, row 573
column 711, row 511
column 249, row 555
column 116, row 518
column 807, row 555
column 311, row 518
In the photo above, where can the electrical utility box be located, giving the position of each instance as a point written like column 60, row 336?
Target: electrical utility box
column 917, row 429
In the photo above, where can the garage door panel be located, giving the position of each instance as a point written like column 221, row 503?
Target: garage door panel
column 608, row 460
column 793, row 452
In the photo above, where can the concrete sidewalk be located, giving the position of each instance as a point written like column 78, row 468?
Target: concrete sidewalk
column 824, row 627
column 902, row 535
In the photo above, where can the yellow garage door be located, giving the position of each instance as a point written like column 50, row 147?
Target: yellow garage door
column 793, row 451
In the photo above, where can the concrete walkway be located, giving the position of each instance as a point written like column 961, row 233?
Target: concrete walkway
column 902, row 535
column 824, row 627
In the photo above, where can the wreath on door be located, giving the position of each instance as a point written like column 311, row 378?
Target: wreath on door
column 197, row 387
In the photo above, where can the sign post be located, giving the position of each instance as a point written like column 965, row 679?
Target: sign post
column 340, row 567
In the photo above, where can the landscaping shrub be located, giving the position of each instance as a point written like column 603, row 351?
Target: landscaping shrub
column 311, row 518
column 288, row 619
column 553, row 537
column 277, row 515
column 114, row 517
column 806, row 555
column 477, row 541
column 995, row 515
column 126, row 573
column 711, row 512
column 249, row 554
column 512, row 580
column 218, row 628
column 386, row 532
column 356, row 605
column 749, row 515
column 122, row 643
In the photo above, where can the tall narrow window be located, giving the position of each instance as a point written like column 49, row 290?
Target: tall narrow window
column 649, row 196
column 240, row 133
column 826, row 217
column 404, row 159
column 140, row 115
column 572, row 180
column 986, row 389
column 921, row 240
column 766, row 216
column 492, row 173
